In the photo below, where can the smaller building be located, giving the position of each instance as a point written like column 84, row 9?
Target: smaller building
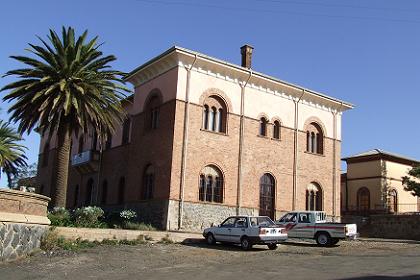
column 373, row 184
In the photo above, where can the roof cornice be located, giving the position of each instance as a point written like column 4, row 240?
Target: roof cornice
column 175, row 53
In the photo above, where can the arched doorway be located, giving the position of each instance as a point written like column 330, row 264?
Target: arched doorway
column 393, row 201
column 89, row 189
column 363, row 200
column 267, row 195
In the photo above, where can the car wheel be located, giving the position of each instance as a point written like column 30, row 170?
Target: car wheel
column 323, row 239
column 210, row 239
column 272, row 246
column 245, row 244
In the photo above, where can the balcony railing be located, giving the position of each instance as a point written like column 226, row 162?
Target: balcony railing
column 86, row 162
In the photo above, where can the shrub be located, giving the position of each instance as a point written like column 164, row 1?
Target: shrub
column 138, row 226
column 51, row 242
column 88, row 217
column 166, row 240
column 60, row 217
column 128, row 215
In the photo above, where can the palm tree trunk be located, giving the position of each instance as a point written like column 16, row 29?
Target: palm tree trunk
column 63, row 159
column 9, row 179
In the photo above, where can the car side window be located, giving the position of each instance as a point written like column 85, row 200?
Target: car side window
column 241, row 223
column 291, row 217
column 304, row 218
column 254, row 222
column 230, row 222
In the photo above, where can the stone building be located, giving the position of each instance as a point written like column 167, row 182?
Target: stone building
column 373, row 184
column 206, row 139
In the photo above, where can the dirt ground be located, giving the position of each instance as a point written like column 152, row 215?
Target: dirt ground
column 292, row 260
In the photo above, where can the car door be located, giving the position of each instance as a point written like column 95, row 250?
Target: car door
column 224, row 231
column 289, row 221
column 303, row 228
column 241, row 224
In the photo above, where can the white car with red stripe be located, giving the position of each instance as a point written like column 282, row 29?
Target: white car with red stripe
column 313, row 225
column 247, row 231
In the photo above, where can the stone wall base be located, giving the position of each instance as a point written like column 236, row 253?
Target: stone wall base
column 19, row 240
column 198, row 216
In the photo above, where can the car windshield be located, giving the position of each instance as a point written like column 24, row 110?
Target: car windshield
column 289, row 217
column 261, row 221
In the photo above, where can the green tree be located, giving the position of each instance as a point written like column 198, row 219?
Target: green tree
column 13, row 169
column 11, row 152
column 412, row 182
column 67, row 88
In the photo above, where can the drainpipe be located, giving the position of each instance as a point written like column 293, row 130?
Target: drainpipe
column 241, row 143
column 185, row 145
column 334, row 160
column 99, row 172
column 295, row 149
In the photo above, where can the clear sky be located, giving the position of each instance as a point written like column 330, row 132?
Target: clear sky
column 364, row 52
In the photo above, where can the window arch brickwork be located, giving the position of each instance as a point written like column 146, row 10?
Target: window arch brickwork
column 314, row 139
column 314, row 197
column 210, row 184
column 148, row 183
column 152, row 110
column 363, row 199
column 214, row 114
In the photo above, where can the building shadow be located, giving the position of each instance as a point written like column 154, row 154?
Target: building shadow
column 383, row 277
column 201, row 243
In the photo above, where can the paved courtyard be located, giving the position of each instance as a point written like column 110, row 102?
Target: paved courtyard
column 294, row 260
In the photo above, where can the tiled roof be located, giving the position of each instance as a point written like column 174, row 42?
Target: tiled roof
column 381, row 152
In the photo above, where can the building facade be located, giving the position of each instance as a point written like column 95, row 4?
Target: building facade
column 206, row 139
column 373, row 184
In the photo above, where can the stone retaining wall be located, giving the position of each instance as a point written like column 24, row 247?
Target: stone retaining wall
column 387, row 226
column 23, row 221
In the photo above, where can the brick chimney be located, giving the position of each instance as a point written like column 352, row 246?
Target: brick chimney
column 246, row 52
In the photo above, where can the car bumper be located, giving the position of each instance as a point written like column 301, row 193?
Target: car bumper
column 268, row 239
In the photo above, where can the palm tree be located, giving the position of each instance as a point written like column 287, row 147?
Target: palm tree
column 11, row 152
column 67, row 89
column 12, row 169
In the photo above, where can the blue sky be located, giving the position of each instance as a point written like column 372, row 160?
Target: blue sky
column 364, row 52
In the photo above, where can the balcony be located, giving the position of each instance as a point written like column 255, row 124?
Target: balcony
column 86, row 162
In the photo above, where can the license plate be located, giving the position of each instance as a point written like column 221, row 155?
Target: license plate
column 273, row 231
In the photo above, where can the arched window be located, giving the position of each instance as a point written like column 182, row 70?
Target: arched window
column 276, row 130
column 213, row 121
column 148, row 183
column 46, row 154
column 121, row 190
column 126, row 131
column 89, row 190
column 81, row 143
column 363, row 199
column 214, row 114
column 393, row 201
column 314, row 197
column 263, row 126
column 76, row 196
column 267, row 195
column 314, row 139
column 211, row 185
column 104, row 193
column 206, row 117
column 152, row 110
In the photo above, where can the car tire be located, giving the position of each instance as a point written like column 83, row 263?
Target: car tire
column 272, row 246
column 323, row 239
column 210, row 239
column 245, row 244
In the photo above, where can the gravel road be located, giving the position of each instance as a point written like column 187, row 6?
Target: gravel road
column 293, row 260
